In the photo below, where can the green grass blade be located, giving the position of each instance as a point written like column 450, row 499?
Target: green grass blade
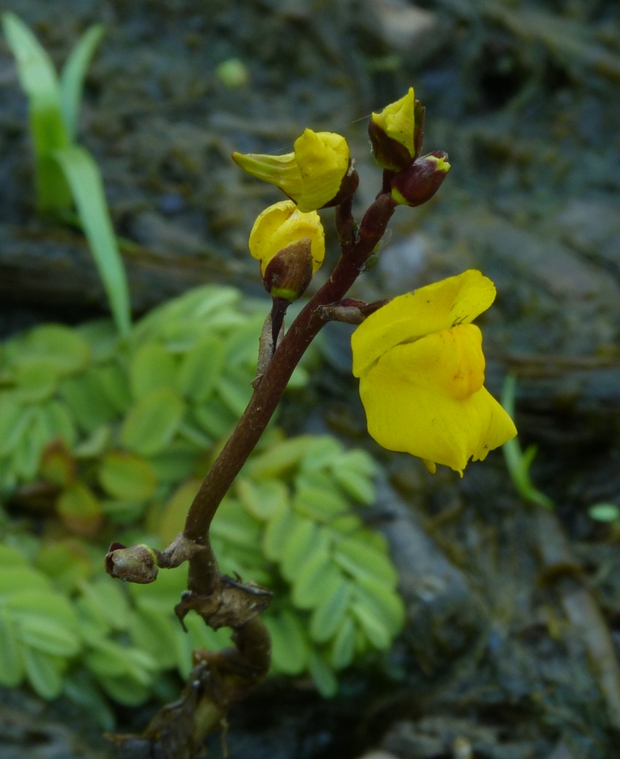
column 519, row 463
column 84, row 178
column 73, row 74
column 40, row 83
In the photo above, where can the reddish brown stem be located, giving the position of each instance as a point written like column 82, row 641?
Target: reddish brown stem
column 273, row 383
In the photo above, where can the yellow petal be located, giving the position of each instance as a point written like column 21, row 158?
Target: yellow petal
column 434, row 308
column 282, row 224
column 426, row 422
column 323, row 161
column 398, row 122
column 281, row 170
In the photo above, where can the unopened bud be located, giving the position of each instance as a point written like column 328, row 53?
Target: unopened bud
column 421, row 180
column 289, row 272
column 392, row 134
column 135, row 564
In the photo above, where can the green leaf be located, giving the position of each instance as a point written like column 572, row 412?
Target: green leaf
column 310, row 585
column 363, row 560
column 38, row 601
column 86, row 400
column 321, row 452
column 84, row 178
column 280, row 525
column 235, row 390
column 36, row 378
column 127, row 476
column 323, row 676
column 43, row 673
column 73, row 74
column 115, row 386
column 11, row 557
column 320, row 505
column 18, row 579
column 388, row 604
column 155, row 634
column 79, row 509
column 80, row 688
column 172, row 466
column 262, row 499
column 173, row 518
column 329, row 614
column 356, row 485
column 108, row 601
column 279, row 458
column 153, row 421
column 47, row 635
column 215, row 418
column 343, row 646
column 60, row 422
column 300, row 545
column 94, row 445
column 66, row 562
column 372, row 624
column 38, row 80
column 233, row 524
column 290, row 646
column 124, row 690
column 201, row 369
column 11, row 661
column 102, row 338
column 152, row 366
column 64, row 348
column 14, row 419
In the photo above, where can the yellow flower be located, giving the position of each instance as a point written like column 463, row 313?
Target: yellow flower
column 397, row 121
column 421, row 370
column 312, row 175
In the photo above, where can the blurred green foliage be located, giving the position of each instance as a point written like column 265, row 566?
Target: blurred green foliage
column 104, row 437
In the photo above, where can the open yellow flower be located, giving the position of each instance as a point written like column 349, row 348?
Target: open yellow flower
column 421, row 370
column 312, row 175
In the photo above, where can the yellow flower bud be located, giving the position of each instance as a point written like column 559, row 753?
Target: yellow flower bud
column 299, row 237
column 396, row 132
column 421, row 370
column 313, row 175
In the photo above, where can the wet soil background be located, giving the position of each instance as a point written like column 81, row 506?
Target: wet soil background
column 511, row 650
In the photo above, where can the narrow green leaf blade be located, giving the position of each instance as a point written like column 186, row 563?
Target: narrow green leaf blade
column 73, row 74
column 84, row 178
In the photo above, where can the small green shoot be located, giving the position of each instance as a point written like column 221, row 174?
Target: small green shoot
column 604, row 512
column 517, row 461
column 66, row 171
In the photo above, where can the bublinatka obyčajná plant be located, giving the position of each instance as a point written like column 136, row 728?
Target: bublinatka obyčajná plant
column 421, row 368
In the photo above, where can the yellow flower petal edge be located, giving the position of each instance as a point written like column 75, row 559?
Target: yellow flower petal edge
column 422, row 386
column 456, row 300
column 311, row 175
column 282, row 224
column 398, row 121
